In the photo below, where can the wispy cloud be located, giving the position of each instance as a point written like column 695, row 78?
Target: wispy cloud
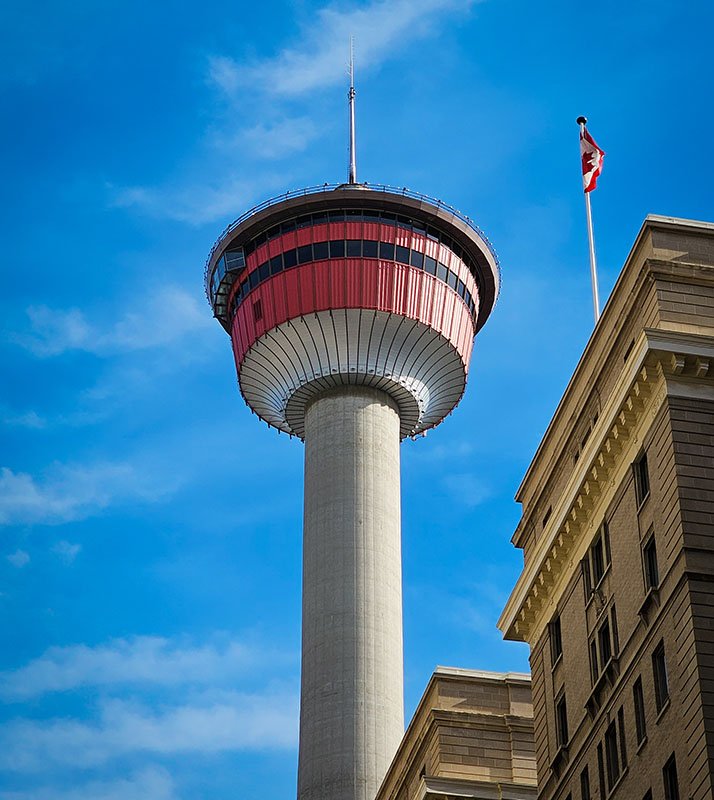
column 161, row 320
column 19, row 558
column 231, row 723
column 71, row 492
column 142, row 660
column 382, row 29
column 270, row 140
column 67, row 551
column 467, row 488
column 27, row 419
column 151, row 783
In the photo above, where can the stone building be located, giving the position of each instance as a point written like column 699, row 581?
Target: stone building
column 471, row 737
column 616, row 598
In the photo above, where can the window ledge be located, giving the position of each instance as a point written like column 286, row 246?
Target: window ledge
column 557, row 661
column 651, row 599
column 560, row 756
column 618, row 782
column 643, row 501
column 662, row 711
column 641, row 745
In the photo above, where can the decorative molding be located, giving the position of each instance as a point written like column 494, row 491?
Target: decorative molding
column 664, row 364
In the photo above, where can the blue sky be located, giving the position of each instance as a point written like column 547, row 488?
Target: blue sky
column 150, row 558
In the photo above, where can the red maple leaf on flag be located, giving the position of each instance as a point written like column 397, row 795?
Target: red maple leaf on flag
column 592, row 157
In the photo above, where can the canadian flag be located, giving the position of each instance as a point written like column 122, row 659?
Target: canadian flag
column 592, row 157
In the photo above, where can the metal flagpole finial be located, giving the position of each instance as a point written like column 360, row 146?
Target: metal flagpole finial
column 582, row 120
column 351, row 99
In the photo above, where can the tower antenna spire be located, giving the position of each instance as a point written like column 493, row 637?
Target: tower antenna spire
column 351, row 99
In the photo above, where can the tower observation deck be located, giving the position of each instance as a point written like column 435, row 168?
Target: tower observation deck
column 352, row 312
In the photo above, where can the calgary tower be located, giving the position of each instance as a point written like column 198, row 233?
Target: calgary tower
column 352, row 311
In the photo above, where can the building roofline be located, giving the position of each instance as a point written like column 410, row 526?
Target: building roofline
column 650, row 223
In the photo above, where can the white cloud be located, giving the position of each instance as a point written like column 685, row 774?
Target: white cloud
column 235, row 722
column 142, row 660
column 271, row 140
column 71, row 492
column 151, row 783
column 164, row 317
column 67, row 551
column 467, row 488
column 19, row 558
column 381, row 29
column 28, row 419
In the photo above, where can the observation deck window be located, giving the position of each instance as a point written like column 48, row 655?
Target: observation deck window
column 386, row 251
column 354, row 248
column 370, row 248
column 320, row 251
column 402, row 254
column 337, row 248
column 417, row 259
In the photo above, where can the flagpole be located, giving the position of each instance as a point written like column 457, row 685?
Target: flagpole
column 591, row 239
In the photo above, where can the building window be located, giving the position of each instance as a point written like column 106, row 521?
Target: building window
column 561, row 721
column 601, row 771
column 669, row 776
column 621, row 732
column 596, row 562
column 556, row 640
column 585, row 785
column 649, row 556
column 639, row 703
column 258, row 310
column 603, row 645
column 612, row 760
column 642, row 479
column 659, row 670
column 647, row 795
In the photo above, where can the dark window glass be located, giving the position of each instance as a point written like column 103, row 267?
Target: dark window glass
column 370, row 249
column 612, row 761
column 404, row 222
column 258, row 310
column 319, row 251
column 388, row 217
column 386, row 251
column 430, row 265
column 601, row 771
column 659, row 669
column 259, row 240
column 556, row 640
column 244, row 288
column 457, row 251
column 446, row 241
column 419, row 227
column 353, row 215
column 276, row 264
column 402, row 254
column 452, row 280
column 669, row 777
column 432, row 234
column 263, row 271
column 371, row 216
column 235, row 259
column 441, row 272
column 289, row 259
column 621, row 731
column 649, row 553
column 585, row 785
column 319, row 219
column 271, row 233
column 304, row 221
column 287, row 226
column 597, row 557
column 561, row 721
column 337, row 248
column 604, row 644
column 462, row 289
column 594, row 666
column 647, row 795
column 253, row 279
column 613, row 630
column 417, row 259
column 249, row 248
column 304, row 254
column 337, row 216
column 642, row 479
column 354, row 248
column 587, row 579
column 639, row 703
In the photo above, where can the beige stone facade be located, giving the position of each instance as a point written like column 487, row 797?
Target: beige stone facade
column 616, row 599
column 471, row 737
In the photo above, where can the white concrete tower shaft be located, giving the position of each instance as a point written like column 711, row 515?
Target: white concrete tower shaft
column 351, row 708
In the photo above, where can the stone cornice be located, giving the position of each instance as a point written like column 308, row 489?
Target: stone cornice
column 661, row 363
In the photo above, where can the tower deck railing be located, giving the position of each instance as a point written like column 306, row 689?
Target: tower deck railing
column 326, row 187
